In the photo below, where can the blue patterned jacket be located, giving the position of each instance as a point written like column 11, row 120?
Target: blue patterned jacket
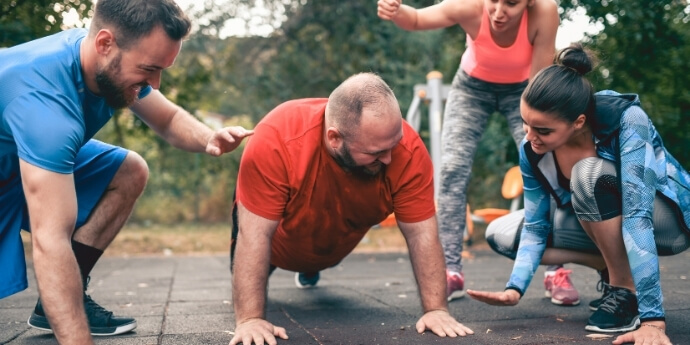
column 623, row 134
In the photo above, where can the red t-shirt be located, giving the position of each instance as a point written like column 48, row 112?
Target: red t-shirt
column 287, row 174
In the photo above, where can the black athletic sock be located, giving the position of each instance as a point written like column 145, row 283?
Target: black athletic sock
column 87, row 257
column 604, row 274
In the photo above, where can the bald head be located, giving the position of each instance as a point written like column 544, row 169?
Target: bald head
column 348, row 101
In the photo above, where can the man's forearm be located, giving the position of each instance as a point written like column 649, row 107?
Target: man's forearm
column 187, row 133
column 57, row 274
column 248, row 292
column 429, row 269
column 428, row 264
column 251, row 264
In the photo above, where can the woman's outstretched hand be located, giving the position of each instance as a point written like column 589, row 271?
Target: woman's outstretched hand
column 508, row 297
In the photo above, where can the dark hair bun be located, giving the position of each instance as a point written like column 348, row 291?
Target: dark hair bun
column 576, row 57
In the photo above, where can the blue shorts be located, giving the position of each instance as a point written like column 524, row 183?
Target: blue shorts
column 95, row 166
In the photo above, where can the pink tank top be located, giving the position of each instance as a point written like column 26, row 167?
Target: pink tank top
column 485, row 60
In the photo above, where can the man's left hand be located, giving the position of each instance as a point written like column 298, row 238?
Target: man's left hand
column 226, row 139
column 442, row 324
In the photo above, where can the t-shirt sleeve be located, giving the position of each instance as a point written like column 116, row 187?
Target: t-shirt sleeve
column 47, row 128
column 413, row 200
column 262, row 182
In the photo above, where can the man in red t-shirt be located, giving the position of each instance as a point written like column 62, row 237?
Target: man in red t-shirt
column 316, row 176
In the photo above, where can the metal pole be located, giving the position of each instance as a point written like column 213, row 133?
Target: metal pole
column 434, row 80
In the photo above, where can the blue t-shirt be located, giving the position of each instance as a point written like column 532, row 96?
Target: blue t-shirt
column 46, row 111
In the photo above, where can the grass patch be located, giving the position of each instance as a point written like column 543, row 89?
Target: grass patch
column 203, row 239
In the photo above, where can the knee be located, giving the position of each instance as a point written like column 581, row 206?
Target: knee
column 582, row 178
column 135, row 172
column 589, row 175
column 503, row 234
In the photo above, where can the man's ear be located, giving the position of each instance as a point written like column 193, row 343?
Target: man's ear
column 334, row 138
column 105, row 42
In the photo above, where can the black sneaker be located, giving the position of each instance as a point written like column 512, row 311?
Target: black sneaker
column 594, row 305
column 306, row 280
column 603, row 287
column 101, row 321
column 616, row 313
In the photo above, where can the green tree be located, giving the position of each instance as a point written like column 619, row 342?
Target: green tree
column 25, row 20
column 644, row 49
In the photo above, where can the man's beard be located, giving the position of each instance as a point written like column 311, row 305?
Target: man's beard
column 345, row 160
column 115, row 95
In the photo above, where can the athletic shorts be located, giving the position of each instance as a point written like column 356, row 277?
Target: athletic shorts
column 94, row 168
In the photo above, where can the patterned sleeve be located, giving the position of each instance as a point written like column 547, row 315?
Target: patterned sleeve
column 638, row 184
column 536, row 228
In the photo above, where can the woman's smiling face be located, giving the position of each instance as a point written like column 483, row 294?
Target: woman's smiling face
column 546, row 132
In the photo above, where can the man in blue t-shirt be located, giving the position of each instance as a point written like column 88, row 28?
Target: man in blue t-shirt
column 72, row 192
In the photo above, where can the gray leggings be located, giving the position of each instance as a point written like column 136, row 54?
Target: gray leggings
column 470, row 103
column 595, row 197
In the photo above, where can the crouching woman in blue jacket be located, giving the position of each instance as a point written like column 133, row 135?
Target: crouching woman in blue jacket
column 601, row 190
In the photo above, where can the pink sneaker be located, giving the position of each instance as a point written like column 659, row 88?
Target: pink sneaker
column 455, row 285
column 560, row 288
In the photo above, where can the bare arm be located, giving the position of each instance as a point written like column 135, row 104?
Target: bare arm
column 544, row 45
column 52, row 204
column 182, row 130
column 249, row 280
column 429, row 269
column 441, row 15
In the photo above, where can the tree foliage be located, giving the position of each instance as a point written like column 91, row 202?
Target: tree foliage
column 644, row 49
column 25, row 20
column 316, row 44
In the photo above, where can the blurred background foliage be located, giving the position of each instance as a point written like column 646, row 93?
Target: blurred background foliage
column 315, row 44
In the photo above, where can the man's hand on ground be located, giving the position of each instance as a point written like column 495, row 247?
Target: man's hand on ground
column 257, row 331
column 442, row 324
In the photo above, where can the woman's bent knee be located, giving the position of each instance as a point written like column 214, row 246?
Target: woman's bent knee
column 503, row 234
column 595, row 191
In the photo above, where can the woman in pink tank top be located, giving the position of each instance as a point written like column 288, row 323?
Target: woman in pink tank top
column 508, row 42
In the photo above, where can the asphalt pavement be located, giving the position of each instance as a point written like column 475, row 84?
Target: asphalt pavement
column 367, row 299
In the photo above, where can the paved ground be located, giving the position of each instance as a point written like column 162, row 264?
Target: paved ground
column 368, row 299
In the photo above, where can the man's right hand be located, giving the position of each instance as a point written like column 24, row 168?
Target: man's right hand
column 257, row 331
column 388, row 9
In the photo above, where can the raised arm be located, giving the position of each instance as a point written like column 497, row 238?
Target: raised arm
column 441, row 15
column 429, row 269
column 249, row 280
column 52, row 203
column 544, row 45
column 182, row 130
